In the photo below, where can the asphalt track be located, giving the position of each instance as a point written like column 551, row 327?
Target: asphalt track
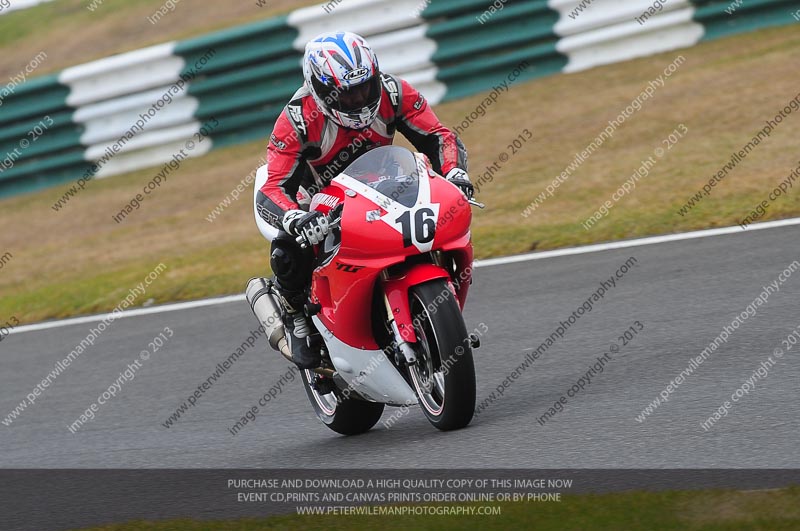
column 682, row 292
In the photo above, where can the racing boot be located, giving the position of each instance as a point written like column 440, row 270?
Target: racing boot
column 298, row 329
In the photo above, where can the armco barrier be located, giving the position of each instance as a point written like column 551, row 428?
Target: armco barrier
column 137, row 109
column 749, row 15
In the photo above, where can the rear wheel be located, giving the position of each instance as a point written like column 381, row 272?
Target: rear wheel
column 348, row 416
column 444, row 375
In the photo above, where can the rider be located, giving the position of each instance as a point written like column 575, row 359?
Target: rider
column 346, row 107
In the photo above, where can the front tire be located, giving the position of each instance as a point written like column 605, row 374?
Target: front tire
column 444, row 375
column 348, row 416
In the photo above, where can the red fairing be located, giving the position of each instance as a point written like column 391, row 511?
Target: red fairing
column 372, row 243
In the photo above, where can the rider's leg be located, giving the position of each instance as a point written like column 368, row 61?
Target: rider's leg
column 292, row 267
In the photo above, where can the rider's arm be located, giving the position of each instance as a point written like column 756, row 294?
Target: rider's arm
column 420, row 125
column 286, row 166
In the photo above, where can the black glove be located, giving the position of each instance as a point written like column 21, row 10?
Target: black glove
column 460, row 178
column 312, row 227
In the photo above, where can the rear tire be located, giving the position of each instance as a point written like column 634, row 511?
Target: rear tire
column 349, row 416
column 444, row 376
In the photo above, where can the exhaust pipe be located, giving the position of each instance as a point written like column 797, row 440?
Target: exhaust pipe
column 268, row 312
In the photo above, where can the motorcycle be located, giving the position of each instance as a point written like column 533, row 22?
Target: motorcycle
column 390, row 281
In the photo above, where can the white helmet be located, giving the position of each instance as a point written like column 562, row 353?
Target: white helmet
column 341, row 71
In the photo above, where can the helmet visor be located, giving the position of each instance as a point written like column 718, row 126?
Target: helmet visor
column 350, row 99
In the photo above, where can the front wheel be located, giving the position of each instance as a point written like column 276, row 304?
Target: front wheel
column 444, row 375
column 348, row 416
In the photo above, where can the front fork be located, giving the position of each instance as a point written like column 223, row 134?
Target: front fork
column 397, row 304
column 404, row 346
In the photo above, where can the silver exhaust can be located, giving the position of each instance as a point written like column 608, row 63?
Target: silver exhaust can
column 266, row 309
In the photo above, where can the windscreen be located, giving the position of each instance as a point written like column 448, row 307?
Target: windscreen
column 391, row 170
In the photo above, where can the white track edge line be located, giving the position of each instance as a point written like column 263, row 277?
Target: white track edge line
column 584, row 249
column 128, row 313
